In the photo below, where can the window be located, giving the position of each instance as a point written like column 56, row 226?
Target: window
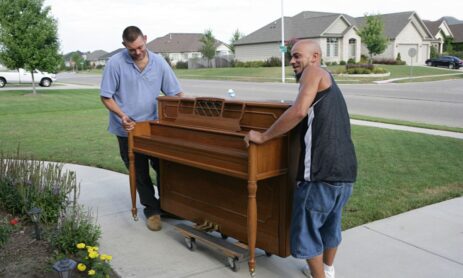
column 352, row 48
column 331, row 47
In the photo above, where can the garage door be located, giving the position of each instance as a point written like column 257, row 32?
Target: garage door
column 403, row 50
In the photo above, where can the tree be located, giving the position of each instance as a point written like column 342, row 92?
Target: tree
column 209, row 46
column 28, row 36
column 448, row 44
column 77, row 61
column 235, row 37
column 372, row 35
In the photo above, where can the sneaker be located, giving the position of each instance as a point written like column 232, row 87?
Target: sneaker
column 329, row 271
column 154, row 222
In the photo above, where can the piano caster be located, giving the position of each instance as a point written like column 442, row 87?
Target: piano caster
column 190, row 243
column 223, row 236
column 234, row 264
column 268, row 254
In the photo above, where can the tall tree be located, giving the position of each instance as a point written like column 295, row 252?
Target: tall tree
column 372, row 34
column 209, row 46
column 235, row 37
column 28, row 36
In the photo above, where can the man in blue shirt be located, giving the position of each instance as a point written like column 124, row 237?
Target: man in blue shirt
column 132, row 80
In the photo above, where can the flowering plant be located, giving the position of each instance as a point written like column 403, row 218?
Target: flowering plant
column 91, row 262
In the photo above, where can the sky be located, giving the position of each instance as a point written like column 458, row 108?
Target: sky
column 89, row 25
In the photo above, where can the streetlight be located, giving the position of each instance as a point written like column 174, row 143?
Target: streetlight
column 64, row 267
column 34, row 213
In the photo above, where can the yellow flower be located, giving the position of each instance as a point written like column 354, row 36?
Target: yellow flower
column 81, row 267
column 109, row 258
column 93, row 254
column 80, row 245
column 103, row 257
column 95, row 248
column 91, row 272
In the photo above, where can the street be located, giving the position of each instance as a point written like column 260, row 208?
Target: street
column 438, row 102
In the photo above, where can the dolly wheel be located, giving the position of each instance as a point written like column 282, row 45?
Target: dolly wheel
column 233, row 263
column 190, row 243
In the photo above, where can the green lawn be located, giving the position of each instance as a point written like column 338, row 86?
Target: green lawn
column 398, row 171
column 273, row 74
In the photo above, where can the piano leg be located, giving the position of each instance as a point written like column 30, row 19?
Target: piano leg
column 132, row 178
column 252, row 225
column 252, row 207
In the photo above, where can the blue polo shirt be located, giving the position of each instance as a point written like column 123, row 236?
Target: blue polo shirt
column 135, row 92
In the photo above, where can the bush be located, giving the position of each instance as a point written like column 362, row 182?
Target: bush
column 25, row 184
column 351, row 61
column 379, row 70
column 91, row 261
column 5, row 230
column 342, row 63
column 363, row 66
column 358, row 71
column 272, row 62
column 386, row 61
column 363, row 59
column 75, row 226
column 249, row 64
column 181, row 65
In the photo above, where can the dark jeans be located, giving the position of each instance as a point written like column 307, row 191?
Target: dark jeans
column 144, row 184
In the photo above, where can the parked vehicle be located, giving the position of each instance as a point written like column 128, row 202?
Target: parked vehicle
column 21, row 76
column 450, row 62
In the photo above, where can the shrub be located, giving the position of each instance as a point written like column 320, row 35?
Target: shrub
column 249, row 64
column 5, row 230
column 342, row 63
column 379, row 70
column 272, row 62
column 363, row 59
column 334, row 63
column 351, row 61
column 29, row 183
column 91, row 262
column 74, row 226
column 358, row 71
column 386, row 61
column 355, row 66
column 181, row 65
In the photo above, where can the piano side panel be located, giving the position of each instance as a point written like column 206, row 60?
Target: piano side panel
column 199, row 195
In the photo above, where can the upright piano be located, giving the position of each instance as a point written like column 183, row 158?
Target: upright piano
column 209, row 174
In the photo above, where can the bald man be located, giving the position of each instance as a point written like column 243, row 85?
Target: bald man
column 327, row 164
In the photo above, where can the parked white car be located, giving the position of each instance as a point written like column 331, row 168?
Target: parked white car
column 22, row 76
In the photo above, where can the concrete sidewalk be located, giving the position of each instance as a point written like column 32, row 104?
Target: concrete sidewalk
column 426, row 242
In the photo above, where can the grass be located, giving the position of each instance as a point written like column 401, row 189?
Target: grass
column 406, row 123
column 398, row 171
column 273, row 74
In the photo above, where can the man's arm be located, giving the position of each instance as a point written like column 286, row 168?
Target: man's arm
column 290, row 118
column 112, row 106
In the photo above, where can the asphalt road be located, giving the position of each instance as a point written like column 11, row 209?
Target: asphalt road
column 438, row 102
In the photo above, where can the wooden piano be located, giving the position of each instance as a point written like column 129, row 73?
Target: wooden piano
column 209, row 175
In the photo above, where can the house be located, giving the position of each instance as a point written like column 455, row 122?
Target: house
column 95, row 58
column 183, row 46
column 106, row 56
column 68, row 62
column 336, row 33
column 439, row 29
column 457, row 32
column 338, row 37
column 405, row 31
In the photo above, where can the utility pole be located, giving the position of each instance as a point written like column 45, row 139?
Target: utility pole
column 282, row 47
